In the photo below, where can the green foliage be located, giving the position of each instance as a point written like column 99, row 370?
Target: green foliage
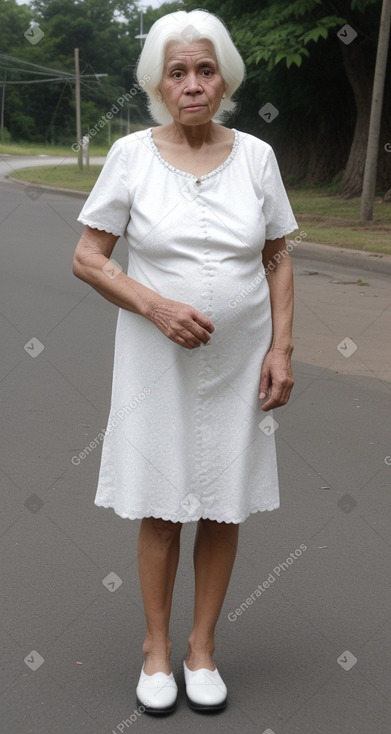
column 5, row 136
column 290, row 47
column 103, row 30
column 361, row 5
column 295, row 61
column 282, row 31
column 14, row 20
column 276, row 31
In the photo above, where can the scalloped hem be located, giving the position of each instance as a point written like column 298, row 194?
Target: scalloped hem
column 281, row 233
column 93, row 225
column 107, row 505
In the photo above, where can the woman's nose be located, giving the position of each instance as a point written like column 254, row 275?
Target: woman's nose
column 193, row 85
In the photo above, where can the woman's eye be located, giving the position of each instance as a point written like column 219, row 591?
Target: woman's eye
column 179, row 74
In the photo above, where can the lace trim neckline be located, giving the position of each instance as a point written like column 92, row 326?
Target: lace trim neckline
column 168, row 165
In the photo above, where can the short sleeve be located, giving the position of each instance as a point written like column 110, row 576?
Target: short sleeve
column 108, row 205
column 279, row 217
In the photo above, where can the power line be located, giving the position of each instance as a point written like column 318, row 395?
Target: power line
column 25, row 71
column 71, row 77
column 57, row 75
column 36, row 66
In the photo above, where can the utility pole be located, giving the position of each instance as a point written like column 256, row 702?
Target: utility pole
column 2, row 108
column 77, row 101
column 369, row 181
column 141, row 35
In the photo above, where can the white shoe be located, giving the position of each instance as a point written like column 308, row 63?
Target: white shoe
column 157, row 693
column 205, row 689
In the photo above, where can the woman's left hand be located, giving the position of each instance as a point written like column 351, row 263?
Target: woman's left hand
column 276, row 378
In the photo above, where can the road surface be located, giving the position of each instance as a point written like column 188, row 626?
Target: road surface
column 9, row 163
column 312, row 652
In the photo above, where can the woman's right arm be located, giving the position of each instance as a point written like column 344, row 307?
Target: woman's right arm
column 92, row 253
column 181, row 323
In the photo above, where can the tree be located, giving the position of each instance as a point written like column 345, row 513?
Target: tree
column 45, row 112
column 14, row 20
column 302, row 35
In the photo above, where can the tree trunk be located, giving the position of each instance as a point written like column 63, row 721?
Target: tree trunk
column 360, row 78
column 384, row 162
column 369, row 182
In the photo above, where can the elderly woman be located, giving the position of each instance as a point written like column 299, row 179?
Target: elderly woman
column 204, row 339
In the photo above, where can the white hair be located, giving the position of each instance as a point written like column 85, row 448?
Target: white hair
column 192, row 26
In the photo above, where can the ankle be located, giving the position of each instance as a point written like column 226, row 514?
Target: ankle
column 200, row 658
column 200, row 647
column 157, row 656
column 157, row 647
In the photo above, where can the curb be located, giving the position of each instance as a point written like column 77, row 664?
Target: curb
column 372, row 261
column 49, row 189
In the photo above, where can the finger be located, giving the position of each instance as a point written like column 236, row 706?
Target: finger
column 279, row 398
column 185, row 343
column 270, row 404
column 286, row 394
column 200, row 334
column 186, row 338
column 275, row 397
column 264, row 384
column 204, row 322
column 181, row 332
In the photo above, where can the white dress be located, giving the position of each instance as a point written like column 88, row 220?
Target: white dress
column 183, row 440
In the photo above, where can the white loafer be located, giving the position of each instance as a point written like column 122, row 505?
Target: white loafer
column 205, row 689
column 157, row 693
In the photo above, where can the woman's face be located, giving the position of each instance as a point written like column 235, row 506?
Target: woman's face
column 192, row 85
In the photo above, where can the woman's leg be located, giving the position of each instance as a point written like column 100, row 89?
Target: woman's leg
column 158, row 555
column 214, row 555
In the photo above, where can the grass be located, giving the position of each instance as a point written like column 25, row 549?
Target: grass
column 66, row 177
column 323, row 215
column 330, row 220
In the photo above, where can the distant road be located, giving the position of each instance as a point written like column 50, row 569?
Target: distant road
column 11, row 163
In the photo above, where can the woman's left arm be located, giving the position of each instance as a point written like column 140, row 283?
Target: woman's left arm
column 276, row 375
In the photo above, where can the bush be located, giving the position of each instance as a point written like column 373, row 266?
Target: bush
column 5, row 136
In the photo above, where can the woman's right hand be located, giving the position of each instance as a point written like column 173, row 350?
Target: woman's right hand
column 181, row 323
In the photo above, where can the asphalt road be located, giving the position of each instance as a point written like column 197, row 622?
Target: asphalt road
column 312, row 653
column 10, row 163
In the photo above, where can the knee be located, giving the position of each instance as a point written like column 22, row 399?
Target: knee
column 165, row 531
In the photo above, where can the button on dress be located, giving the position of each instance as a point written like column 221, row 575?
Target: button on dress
column 185, row 437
